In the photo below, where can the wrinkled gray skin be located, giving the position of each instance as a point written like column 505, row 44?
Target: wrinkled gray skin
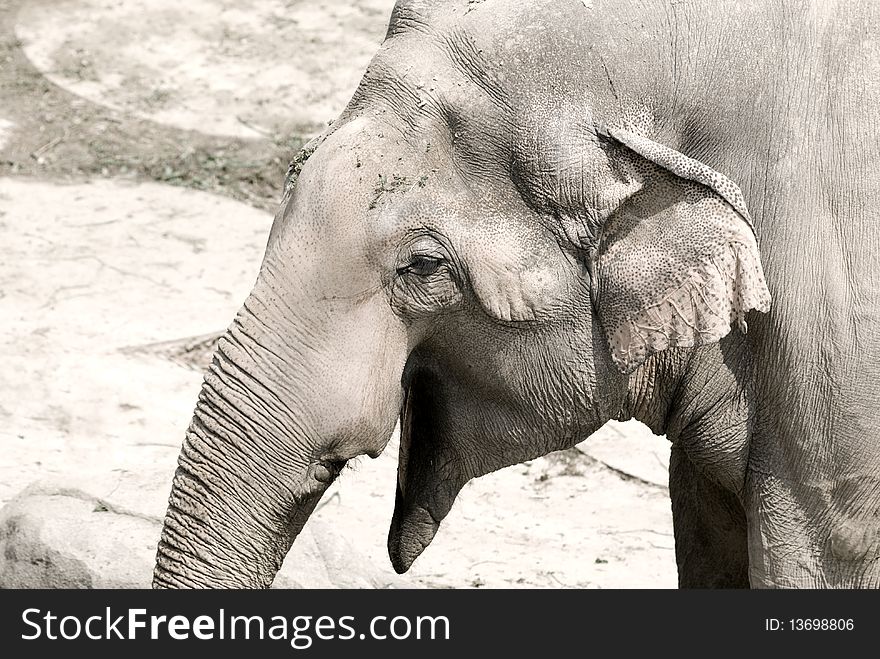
column 501, row 242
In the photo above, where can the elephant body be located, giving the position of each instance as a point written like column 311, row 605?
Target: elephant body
column 534, row 217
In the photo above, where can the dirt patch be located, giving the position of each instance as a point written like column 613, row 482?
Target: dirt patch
column 53, row 134
column 215, row 66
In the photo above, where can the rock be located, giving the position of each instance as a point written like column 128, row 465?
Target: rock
column 66, row 539
column 52, row 536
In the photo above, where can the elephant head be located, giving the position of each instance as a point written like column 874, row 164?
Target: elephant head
column 482, row 258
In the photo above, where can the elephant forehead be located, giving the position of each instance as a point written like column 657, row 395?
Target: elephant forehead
column 426, row 96
column 488, row 75
column 512, row 50
column 500, row 102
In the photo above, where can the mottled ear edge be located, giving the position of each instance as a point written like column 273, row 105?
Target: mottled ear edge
column 682, row 166
column 732, row 280
column 712, row 291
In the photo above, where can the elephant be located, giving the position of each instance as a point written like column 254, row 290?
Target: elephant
column 534, row 217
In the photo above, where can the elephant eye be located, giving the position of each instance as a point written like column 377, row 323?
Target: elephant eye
column 425, row 283
column 421, row 266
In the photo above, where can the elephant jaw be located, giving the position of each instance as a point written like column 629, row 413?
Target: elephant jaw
column 424, row 494
column 412, row 529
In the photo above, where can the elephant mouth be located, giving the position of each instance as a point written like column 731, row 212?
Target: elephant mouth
column 426, row 480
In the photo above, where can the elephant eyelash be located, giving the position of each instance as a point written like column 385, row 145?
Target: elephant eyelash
column 422, row 266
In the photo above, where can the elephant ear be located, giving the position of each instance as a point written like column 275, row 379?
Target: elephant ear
column 677, row 262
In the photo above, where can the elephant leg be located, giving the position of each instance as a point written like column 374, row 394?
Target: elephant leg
column 711, row 547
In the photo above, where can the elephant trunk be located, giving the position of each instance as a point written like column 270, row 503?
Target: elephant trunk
column 241, row 493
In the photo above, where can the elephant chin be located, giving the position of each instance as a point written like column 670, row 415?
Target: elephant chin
column 424, row 495
column 412, row 529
